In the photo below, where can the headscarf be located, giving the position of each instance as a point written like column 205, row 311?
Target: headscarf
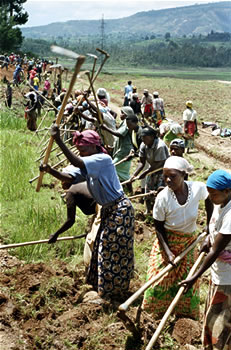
column 102, row 92
column 178, row 143
column 178, row 163
column 87, row 138
column 189, row 104
column 127, row 110
column 148, row 131
column 219, row 180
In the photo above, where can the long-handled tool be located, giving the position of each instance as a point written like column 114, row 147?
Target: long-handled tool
column 138, row 178
column 173, row 304
column 78, row 65
column 23, row 244
column 94, row 63
column 54, row 166
column 106, row 56
column 100, row 119
column 129, row 301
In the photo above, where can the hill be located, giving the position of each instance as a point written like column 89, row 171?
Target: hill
column 195, row 19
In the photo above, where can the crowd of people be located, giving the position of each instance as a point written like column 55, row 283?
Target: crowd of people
column 94, row 184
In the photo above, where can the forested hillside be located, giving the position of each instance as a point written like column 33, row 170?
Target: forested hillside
column 187, row 20
column 213, row 50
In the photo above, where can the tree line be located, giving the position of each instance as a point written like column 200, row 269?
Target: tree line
column 188, row 52
column 212, row 50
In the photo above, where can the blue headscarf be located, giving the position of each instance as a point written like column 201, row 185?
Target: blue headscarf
column 219, row 180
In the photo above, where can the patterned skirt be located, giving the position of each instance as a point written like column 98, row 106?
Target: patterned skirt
column 159, row 296
column 217, row 324
column 191, row 128
column 112, row 263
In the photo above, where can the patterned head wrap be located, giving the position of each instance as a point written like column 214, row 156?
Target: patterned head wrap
column 219, row 180
column 87, row 138
column 178, row 143
column 178, row 163
column 127, row 110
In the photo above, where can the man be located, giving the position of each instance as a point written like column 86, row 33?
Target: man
column 147, row 103
column 177, row 147
column 158, row 106
column 31, row 110
column 155, row 152
column 6, row 61
column 16, row 74
column 135, row 104
column 127, row 90
column 8, row 94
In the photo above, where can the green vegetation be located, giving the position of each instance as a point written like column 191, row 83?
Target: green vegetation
column 27, row 215
column 11, row 16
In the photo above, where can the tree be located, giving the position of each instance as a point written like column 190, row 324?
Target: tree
column 11, row 16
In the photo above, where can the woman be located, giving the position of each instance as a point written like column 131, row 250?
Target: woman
column 111, row 266
column 154, row 152
column 217, row 319
column 123, row 146
column 175, row 214
column 190, row 125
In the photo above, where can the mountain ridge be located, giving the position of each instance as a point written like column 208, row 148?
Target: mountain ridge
column 179, row 21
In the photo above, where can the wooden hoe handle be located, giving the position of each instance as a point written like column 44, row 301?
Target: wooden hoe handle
column 78, row 65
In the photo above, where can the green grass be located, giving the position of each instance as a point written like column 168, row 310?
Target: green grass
column 156, row 71
column 25, row 214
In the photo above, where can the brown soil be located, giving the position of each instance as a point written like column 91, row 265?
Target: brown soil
column 50, row 307
column 186, row 331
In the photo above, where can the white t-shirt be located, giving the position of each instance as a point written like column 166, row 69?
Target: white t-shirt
column 189, row 115
column 181, row 218
column 221, row 268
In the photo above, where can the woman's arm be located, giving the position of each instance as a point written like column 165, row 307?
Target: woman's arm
column 71, row 211
column 61, row 176
column 140, row 166
column 221, row 241
column 87, row 117
column 113, row 132
column 75, row 160
column 154, row 166
column 209, row 211
column 195, row 122
column 161, row 235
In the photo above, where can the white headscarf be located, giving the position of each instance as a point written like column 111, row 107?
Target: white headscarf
column 178, row 163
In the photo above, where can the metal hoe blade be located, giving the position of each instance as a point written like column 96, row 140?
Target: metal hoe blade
column 64, row 52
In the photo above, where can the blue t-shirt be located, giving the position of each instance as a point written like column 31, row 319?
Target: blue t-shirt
column 127, row 89
column 100, row 174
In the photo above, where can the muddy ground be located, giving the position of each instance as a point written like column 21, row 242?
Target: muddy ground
column 51, row 307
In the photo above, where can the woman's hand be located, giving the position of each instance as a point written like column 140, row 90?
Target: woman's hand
column 205, row 247
column 45, row 167
column 142, row 176
column 171, row 258
column 54, row 132
column 188, row 283
column 53, row 238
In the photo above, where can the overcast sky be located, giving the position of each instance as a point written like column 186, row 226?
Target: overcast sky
column 48, row 11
